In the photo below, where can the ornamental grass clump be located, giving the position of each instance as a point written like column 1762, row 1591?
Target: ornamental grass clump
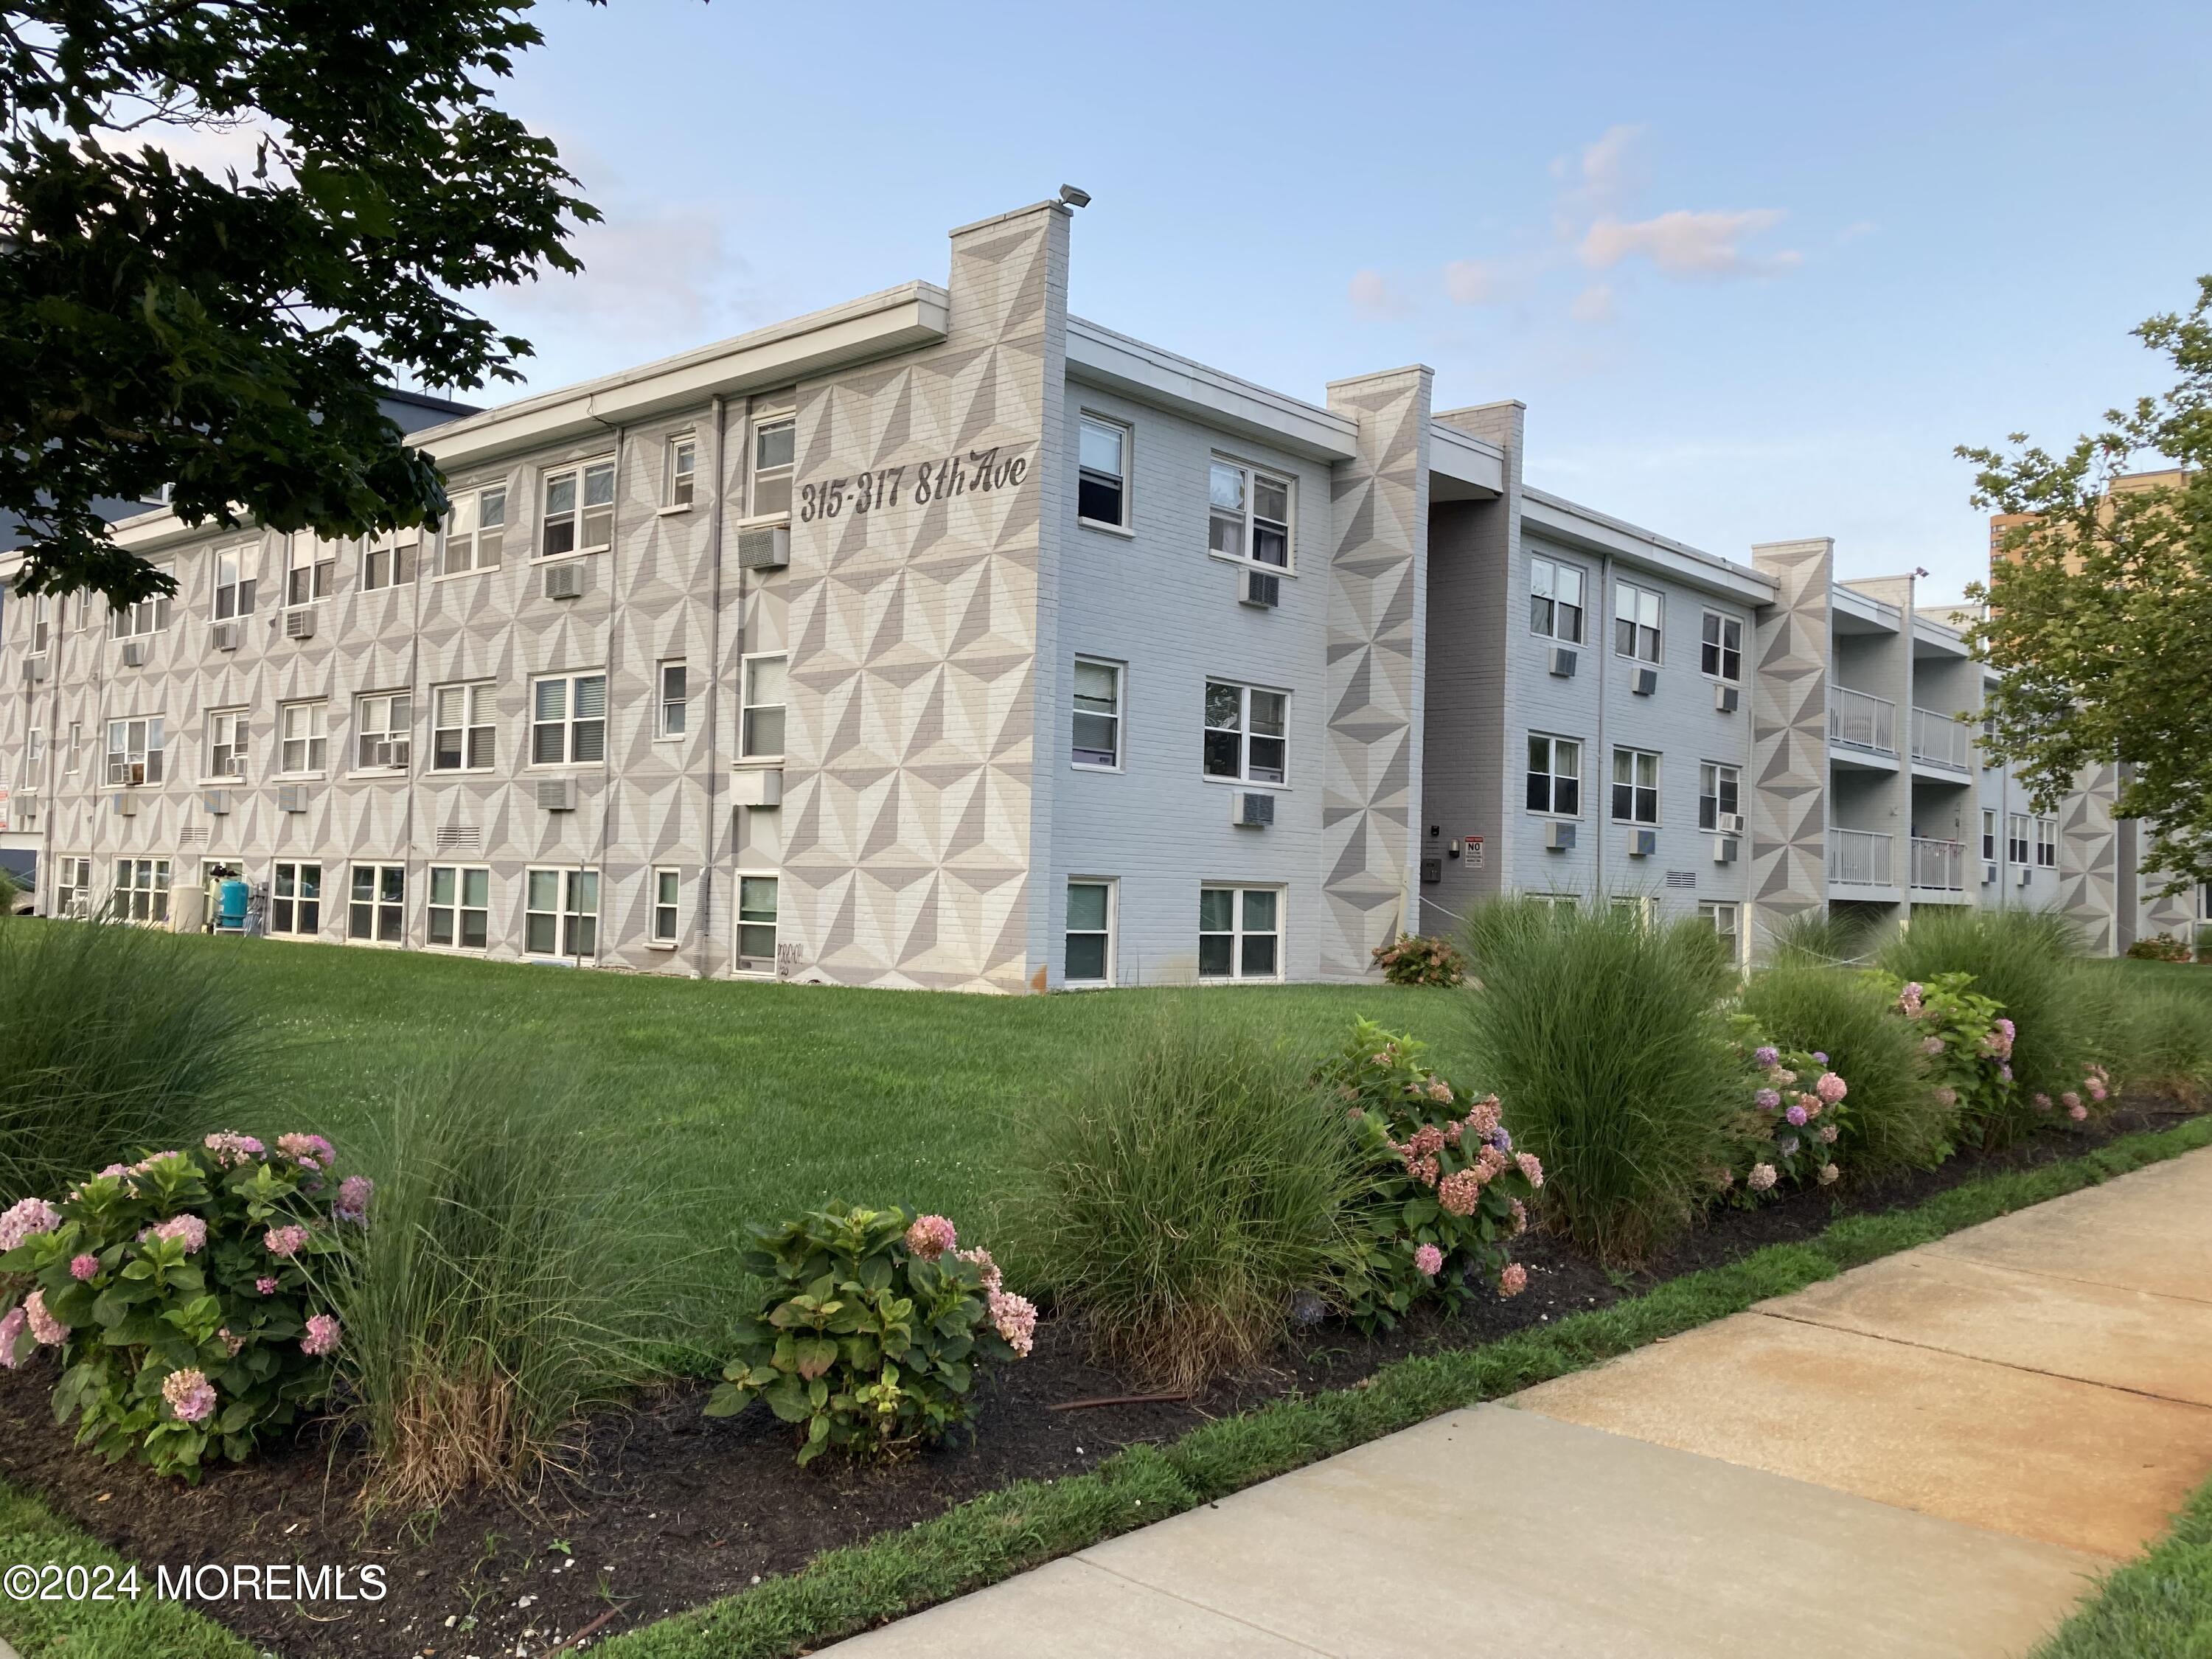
column 1898, row 1118
column 182, row 1295
column 2163, row 1040
column 874, row 1331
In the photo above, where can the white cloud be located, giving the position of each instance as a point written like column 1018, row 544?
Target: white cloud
column 1372, row 295
column 1474, row 283
column 1684, row 243
column 1603, row 175
column 1594, row 304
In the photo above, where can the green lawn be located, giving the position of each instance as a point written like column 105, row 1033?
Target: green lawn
column 2159, row 1608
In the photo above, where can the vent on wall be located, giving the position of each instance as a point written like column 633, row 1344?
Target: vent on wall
column 564, row 581
column 459, row 838
column 1681, row 878
column 299, row 624
column 765, row 548
column 194, row 834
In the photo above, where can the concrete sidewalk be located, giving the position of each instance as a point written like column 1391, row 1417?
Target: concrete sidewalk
column 1930, row 1456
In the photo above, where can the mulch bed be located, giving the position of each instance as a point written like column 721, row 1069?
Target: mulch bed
column 668, row 1509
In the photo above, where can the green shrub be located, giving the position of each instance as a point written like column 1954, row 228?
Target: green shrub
column 1795, row 1116
column 1191, row 1186
column 1604, row 1038
column 1966, row 1041
column 2162, row 1038
column 872, row 1331
column 1896, row 1121
column 1418, row 959
column 111, row 1036
column 2160, row 947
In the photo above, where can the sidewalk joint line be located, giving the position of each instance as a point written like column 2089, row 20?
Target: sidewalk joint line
column 1935, row 1248
column 1083, row 1555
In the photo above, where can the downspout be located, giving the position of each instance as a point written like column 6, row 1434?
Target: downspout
column 714, row 688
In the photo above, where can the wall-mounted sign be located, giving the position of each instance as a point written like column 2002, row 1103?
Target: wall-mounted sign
column 980, row 470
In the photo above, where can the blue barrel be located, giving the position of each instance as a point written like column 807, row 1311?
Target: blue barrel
column 230, row 907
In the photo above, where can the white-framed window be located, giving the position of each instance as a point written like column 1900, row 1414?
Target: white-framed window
column 462, row 735
column 383, row 726
column 2046, row 843
column 1557, row 901
column 1087, row 956
column 73, row 887
column 1102, row 482
column 141, row 890
column 458, row 915
column 302, row 737
column 1555, row 775
column 1635, row 786
column 757, row 911
column 35, row 755
column 681, row 484
column 1097, row 733
column 1555, row 600
column 1249, row 513
column 226, row 743
column 310, row 569
column 82, row 610
column 775, row 440
column 134, row 751
column 560, row 914
column 295, row 899
column 1724, row 920
column 1636, row 616
column 376, row 903
column 2016, row 848
column 1988, row 837
column 2204, row 901
column 76, row 746
column 148, row 616
column 476, row 530
column 1641, row 908
column 40, row 624
column 390, row 560
column 761, row 709
column 568, row 719
column 579, row 510
column 1720, row 794
column 1240, row 932
column 667, row 896
column 1247, row 732
column 672, row 712
column 1720, row 651
column 236, row 569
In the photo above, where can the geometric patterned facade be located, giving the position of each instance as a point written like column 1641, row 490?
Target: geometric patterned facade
column 1789, row 780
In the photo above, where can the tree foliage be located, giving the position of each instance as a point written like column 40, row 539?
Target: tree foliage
column 2101, row 613
column 226, row 335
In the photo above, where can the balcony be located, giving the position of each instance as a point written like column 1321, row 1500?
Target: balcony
column 1939, row 740
column 1862, row 858
column 1939, row 866
column 1857, row 720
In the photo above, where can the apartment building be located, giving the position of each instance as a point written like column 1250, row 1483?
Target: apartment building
column 941, row 640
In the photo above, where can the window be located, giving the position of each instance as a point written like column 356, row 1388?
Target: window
column 75, row 744
column 149, row 616
column 1641, row 908
column 1720, row 794
column 1722, row 653
column 73, row 888
column 1555, row 775
column 235, row 569
column 1098, row 713
column 476, row 532
column 1635, row 786
column 760, row 724
column 757, row 897
column 461, row 728
column 226, row 744
column 310, row 565
column 1240, row 933
column 2017, row 837
column 141, row 890
column 579, row 510
column 1248, row 514
column 1089, row 959
column 1988, row 837
column 674, row 707
column 35, row 755
column 376, row 908
column 38, row 623
column 568, row 719
column 775, row 448
column 1555, row 600
column 2046, row 843
column 1102, row 490
column 296, row 900
column 667, row 889
column 83, row 609
column 682, row 470
column 390, row 561
column 460, row 912
column 1723, row 920
column 1245, row 732
column 302, row 736
column 562, row 916
column 134, row 751
column 382, row 724
column 1636, row 614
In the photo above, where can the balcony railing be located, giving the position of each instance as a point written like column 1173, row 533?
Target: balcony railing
column 1939, row 740
column 1859, row 721
column 1862, row 858
column 1939, row 865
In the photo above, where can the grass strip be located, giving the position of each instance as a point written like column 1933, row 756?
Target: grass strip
column 843, row 1591
column 2159, row 1608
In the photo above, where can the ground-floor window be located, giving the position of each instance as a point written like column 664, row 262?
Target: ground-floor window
column 2017, row 837
column 2046, row 843
column 141, row 890
column 376, row 908
column 1089, row 959
column 296, row 900
column 1240, row 932
column 756, row 903
column 459, row 911
column 73, row 887
column 667, row 891
column 1642, row 908
column 562, row 914
column 1723, row 920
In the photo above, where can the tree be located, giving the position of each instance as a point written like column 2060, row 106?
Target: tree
column 2101, row 613
column 226, row 337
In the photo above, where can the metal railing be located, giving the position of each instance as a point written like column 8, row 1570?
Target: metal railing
column 1862, row 858
column 1860, row 721
column 1940, row 866
column 1939, row 740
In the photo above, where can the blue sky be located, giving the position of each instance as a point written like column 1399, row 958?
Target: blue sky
column 1754, row 269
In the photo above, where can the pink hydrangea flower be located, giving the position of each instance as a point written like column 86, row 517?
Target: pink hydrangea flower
column 45, row 1327
column 2005, row 1072
column 1828, row 1173
column 2071, row 1101
column 286, row 1241
column 190, row 1229
column 1910, row 1000
column 1827, row 1133
column 1530, row 1169
column 11, row 1331
column 1428, row 1260
column 992, row 1278
column 231, row 1343
column 309, row 1151
column 354, row 1193
column 1830, row 1088
column 1932, row 1046
column 1766, row 1056
column 189, row 1395
column 1767, row 1100
column 931, row 1236
column 2077, row 1111
column 1947, row 1097
column 1520, row 1220
column 84, row 1267
column 1459, row 1192
column 27, row 1219
column 266, row 1287
column 1513, row 1280
column 231, row 1148
column 1797, row 1116
column 1016, row 1319
column 1760, row 1178
column 2043, row 1103
column 322, row 1337
column 2097, row 1090
column 1440, row 1091
column 1482, row 1117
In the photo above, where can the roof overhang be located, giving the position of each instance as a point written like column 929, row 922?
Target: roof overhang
column 1562, row 520
column 1115, row 362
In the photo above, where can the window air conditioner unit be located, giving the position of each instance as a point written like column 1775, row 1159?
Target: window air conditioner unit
column 214, row 802
column 557, row 794
column 379, row 753
column 292, row 797
column 225, row 636
column 1724, row 849
column 1643, row 843
column 1643, row 681
column 134, row 653
column 1727, row 699
column 1250, row 811
column 1989, row 872
column 1559, row 837
column 756, row 786
column 126, row 806
column 1261, row 589
column 1564, row 658
column 766, row 548
column 2025, row 872
column 299, row 624
column 34, row 668
column 564, row 581
column 1729, row 823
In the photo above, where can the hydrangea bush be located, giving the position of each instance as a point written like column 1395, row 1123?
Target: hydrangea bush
column 180, row 1295
column 1418, row 959
column 872, row 1332
column 1965, row 1041
column 1790, row 1127
column 1448, row 1190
